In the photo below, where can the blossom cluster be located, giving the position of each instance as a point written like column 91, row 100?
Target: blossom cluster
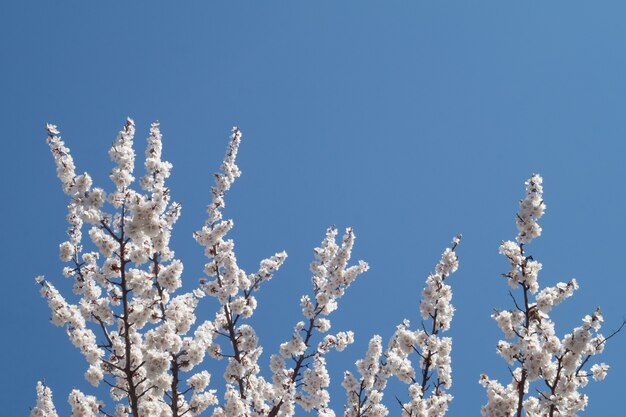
column 45, row 406
column 140, row 335
column 331, row 277
column 141, row 338
column 531, row 344
column 126, row 289
column 428, row 395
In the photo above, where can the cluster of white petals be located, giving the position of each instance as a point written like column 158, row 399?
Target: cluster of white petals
column 150, row 342
column 431, row 377
column 365, row 394
column 141, row 338
column 84, row 405
column 125, row 288
column 331, row 277
column 123, row 154
column 437, row 295
column 531, row 208
column 544, row 363
column 430, row 380
column 44, row 406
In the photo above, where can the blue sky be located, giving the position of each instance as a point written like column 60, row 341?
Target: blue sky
column 410, row 121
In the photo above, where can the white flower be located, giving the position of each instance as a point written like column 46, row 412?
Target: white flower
column 599, row 371
column 45, row 406
column 84, row 405
column 66, row 251
column 199, row 381
column 540, row 354
column 94, row 374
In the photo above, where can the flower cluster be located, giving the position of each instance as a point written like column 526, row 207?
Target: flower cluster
column 331, row 277
column 140, row 336
column 125, row 288
column 531, row 343
column 149, row 343
column 365, row 395
column 531, row 208
column 44, row 406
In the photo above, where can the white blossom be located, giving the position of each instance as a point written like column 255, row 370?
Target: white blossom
column 45, row 406
column 365, row 395
column 540, row 357
column 84, row 405
column 599, row 371
column 140, row 334
column 531, row 208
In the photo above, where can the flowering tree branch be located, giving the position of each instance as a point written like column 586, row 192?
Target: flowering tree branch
column 140, row 336
column 536, row 350
column 127, row 290
column 365, row 395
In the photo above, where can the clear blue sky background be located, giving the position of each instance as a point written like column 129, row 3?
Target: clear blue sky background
column 411, row 121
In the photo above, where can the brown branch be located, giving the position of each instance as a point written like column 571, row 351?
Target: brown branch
column 114, row 386
column 301, row 358
column 174, row 386
column 156, row 269
column 522, row 382
column 599, row 344
column 230, row 326
column 128, row 371
column 104, row 329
